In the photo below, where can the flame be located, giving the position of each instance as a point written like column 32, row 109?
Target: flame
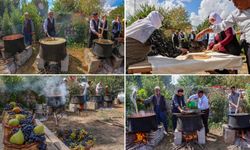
column 140, row 138
column 190, row 137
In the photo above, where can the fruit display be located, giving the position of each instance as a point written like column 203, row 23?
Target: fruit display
column 77, row 139
column 23, row 130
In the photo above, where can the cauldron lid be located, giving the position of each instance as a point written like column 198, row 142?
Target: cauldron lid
column 12, row 37
column 135, row 116
column 240, row 114
column 103, row 42
column 52, row 41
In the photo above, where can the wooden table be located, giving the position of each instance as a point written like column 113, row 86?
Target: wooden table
column 143, row 67
column 53, row 143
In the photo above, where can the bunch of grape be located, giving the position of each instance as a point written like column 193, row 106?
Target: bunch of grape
column 31, row 137
column 8, row 107
column 27, row 120
column 82, row 138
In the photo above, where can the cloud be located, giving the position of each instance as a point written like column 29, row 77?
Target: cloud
column 222, row 7
column 167, row 4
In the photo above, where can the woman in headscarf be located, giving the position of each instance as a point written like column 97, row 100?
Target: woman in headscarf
column 225, row 41
column 144, row 38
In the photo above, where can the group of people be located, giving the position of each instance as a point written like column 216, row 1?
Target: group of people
column 99, row 28
column 179, row 36
column 29, row 30
column 178, row 106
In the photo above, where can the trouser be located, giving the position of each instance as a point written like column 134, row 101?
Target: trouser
column 115, row 35
column 205, row 119
column 52, row 33
column 174, row 121
column 92, row 37
column 105, row 35
column 161, row 118
column 27, row 39
column 246, row 47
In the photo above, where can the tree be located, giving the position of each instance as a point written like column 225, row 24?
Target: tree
column 6, row 26
column 117, row 11
column 205, row 24
column 15, row 17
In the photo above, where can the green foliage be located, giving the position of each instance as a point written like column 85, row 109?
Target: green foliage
column 15, row 17
column 117, row 11
column 142, row 94
column 6, row 26
column 205, row 24
column 218, row 105
column 174, row 19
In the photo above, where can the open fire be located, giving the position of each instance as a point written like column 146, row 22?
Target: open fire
column 190, row 137
column 141, row 138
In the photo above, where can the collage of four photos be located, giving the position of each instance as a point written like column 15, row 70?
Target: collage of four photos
column 125, row 74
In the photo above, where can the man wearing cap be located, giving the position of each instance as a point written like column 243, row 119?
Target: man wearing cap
column 49, row 25
column 178, row 103
column 28, row 29
column 160, row 107
column 203, row 105
column 93, row 29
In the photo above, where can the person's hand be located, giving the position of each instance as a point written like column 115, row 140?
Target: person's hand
column 99, row 35
column 199, row 35
column 188, row 100
column 33, row 33
column 183, row 51
column 217, row 46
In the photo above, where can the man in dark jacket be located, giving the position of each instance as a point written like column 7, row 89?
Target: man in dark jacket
column 28, row 29
column 175, row 39
column 160, row 107
column 49, row 25
column 93, row 29
column 178, row 104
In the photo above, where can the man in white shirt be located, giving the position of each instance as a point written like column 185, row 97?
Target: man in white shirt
column 203, row 105
column 49, row 25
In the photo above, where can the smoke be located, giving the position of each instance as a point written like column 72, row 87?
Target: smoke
column 133, row 97
column 43, row 86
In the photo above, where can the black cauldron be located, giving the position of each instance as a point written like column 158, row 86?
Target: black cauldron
column 53, row 49
column 142, row 123
column 55, row 101
column 103, row 48
column 97, row 99
column 239, row 121
column 76, row 99
column 189, row 122
column 13, row 43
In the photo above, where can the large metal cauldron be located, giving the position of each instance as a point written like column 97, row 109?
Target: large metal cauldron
column 14, row 43
column 103, row 48
column 108, row 98
column 239, row 121
column 142, row 123
column 189, row 122
column 76, row 99
column 55, row 101
column 53, row 49
column 97, row 99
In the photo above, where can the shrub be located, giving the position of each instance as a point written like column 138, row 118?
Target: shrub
column 6, row 26
column 218, row 105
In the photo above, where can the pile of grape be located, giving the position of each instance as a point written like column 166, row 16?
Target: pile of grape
column 27, row 127
column 77, row 138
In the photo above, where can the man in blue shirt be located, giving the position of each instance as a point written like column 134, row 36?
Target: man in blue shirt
column 203, row 106
column 178, row 103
